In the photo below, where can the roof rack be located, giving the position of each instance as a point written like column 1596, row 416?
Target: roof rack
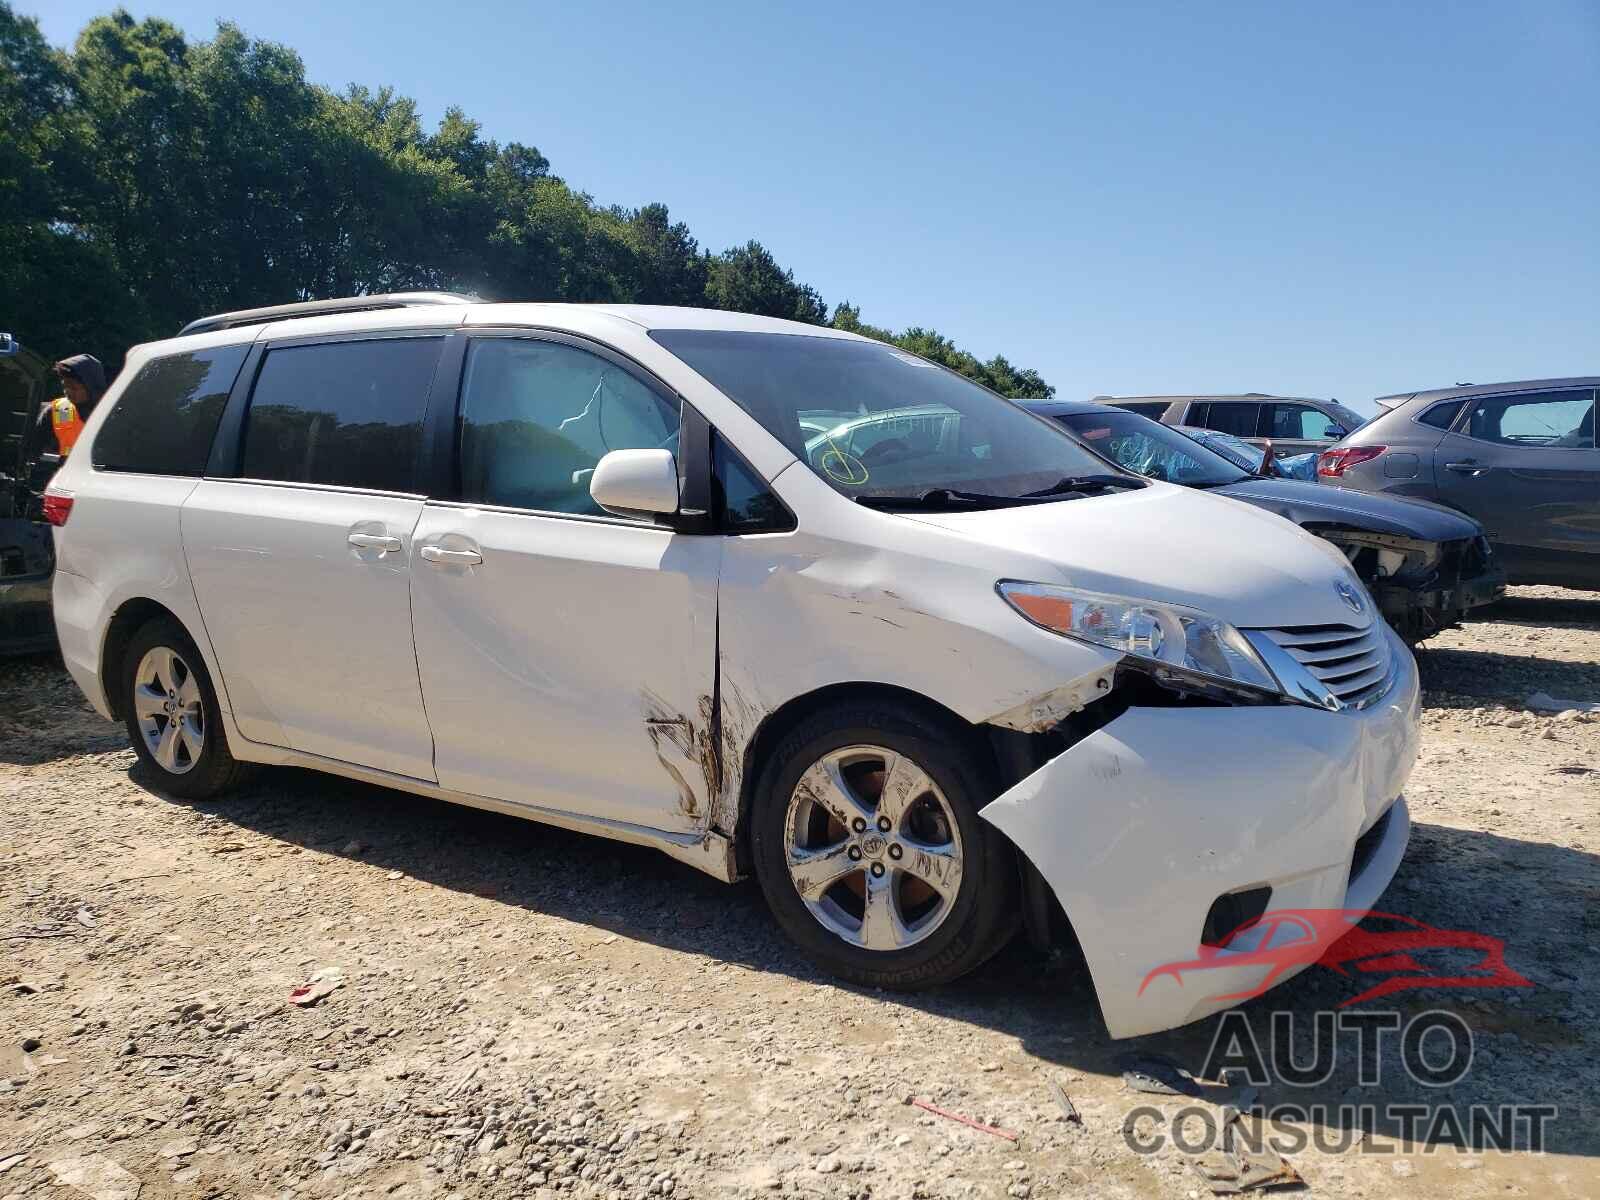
column 320, row 308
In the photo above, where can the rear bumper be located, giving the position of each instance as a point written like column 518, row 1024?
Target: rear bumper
column 1142, row 825
column 79, row 618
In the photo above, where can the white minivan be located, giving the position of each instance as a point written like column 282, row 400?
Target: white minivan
column 773, row 598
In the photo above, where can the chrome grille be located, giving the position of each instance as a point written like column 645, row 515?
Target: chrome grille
column 1355, row 665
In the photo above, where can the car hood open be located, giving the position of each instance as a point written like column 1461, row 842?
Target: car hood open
column 1307, row 503
column 1162, row 542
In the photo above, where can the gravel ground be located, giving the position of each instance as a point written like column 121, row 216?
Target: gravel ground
column 526, row 1012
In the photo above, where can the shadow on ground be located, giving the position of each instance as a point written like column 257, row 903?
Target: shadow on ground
column 1576, row 611
column 1502, row 678
column 1533, row 1045
column 44, row 717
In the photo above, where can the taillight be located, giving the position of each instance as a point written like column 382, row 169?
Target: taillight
column 57, row 507
column 1334, row 463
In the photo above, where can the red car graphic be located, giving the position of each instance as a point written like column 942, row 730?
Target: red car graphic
column 1286, row 938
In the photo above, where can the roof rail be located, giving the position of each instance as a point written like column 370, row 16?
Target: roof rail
column 320, row 308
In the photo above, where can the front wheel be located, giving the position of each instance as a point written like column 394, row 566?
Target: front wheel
column 869, row 848
column 172, row 714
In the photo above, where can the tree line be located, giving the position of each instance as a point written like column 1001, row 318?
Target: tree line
column 146, row 179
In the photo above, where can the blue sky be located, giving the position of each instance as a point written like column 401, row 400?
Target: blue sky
column 1340, row 200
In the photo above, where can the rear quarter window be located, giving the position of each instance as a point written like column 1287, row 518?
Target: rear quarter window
column 1441, row 416
column 166, row 417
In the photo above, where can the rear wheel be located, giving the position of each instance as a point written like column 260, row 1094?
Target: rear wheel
column 868, row 845
column 172, row 715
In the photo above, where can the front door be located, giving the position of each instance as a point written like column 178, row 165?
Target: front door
column 302, row 563
column 567, row 655
column 1526, row 466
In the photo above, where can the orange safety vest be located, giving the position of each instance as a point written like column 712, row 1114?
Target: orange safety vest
column 66, row 422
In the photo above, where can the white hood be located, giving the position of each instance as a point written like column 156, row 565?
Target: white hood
column 1230, row 559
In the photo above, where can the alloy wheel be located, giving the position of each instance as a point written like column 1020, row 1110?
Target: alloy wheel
column 170, row 710
column 873, row 848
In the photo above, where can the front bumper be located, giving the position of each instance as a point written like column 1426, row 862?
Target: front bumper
column 1142, row 825
column 1468, row 577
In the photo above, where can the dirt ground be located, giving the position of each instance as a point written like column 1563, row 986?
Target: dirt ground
column 527, row 1012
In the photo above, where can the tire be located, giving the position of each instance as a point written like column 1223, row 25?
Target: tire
column 180, row 738
column 926, row 935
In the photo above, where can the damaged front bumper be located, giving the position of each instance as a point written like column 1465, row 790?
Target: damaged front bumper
column 1141, row 827
column 1420, row 586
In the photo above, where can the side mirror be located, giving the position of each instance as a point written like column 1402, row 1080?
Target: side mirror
column 1335, row 432
column 631, row 482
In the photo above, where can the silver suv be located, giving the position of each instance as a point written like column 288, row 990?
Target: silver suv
column 1293, row 424
column 1520, row 457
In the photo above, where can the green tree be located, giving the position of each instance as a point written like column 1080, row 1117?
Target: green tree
column 145, row 179
column 748, row 279
column 669, row 268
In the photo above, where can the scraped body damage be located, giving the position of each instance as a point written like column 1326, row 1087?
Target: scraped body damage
column 1140, row 826
column 816, row 608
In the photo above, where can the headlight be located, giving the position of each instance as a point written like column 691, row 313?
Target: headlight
column 1183, row 638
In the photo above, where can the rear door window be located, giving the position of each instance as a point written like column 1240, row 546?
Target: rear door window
column 1237, row 419
column 166, row 417
column 1563, row 420
column 1149, row 408
column 342, row 413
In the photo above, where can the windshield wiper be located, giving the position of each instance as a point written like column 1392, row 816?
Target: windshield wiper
column 943, row 498
column 1085, row 483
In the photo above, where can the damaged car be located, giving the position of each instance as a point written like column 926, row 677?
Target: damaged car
column 611, row 568
column 1425, row 565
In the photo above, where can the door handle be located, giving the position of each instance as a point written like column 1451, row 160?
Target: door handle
column 450, row 558
column 1467, row 466
column 381, row 542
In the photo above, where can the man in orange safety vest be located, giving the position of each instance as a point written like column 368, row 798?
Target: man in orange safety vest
column 84, row 381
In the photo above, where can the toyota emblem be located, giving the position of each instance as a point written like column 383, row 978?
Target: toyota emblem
column 1351, row 596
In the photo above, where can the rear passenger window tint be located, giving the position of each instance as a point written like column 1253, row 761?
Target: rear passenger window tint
column 1153, row 411
column 345, row 413
column 1237, row 419
column 164, row 421
column 1442, row 416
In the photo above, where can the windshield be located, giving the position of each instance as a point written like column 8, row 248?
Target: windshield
column 1152, row 449
column 875, row 422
